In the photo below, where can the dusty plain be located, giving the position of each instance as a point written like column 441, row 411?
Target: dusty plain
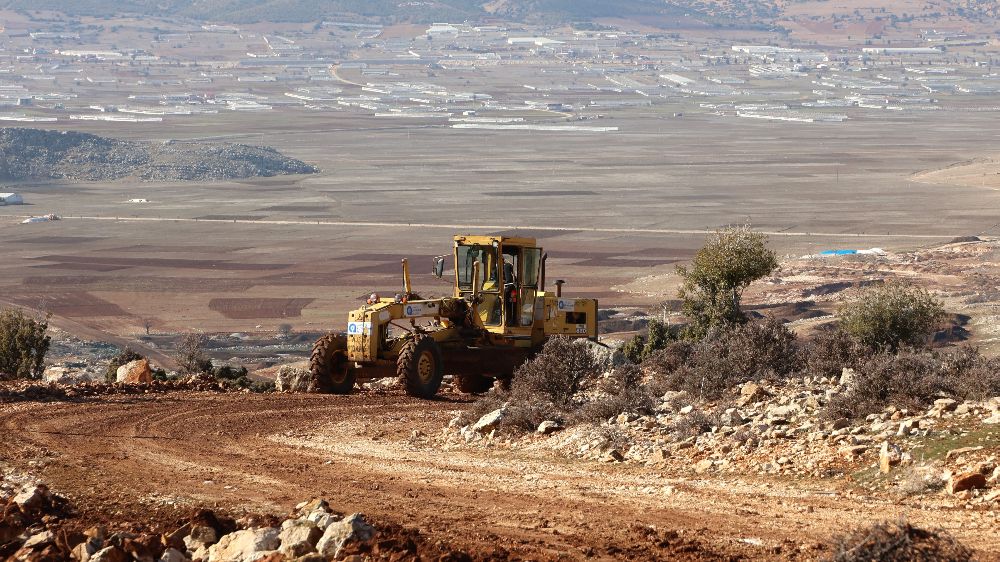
column 607, row 207
column 616, row 211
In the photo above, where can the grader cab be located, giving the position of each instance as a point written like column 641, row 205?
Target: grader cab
column 498, row 316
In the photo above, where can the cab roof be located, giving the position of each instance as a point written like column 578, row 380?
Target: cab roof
column 487, row 240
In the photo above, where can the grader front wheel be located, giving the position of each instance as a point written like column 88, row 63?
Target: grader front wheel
column 332, row 372
column 421, row 367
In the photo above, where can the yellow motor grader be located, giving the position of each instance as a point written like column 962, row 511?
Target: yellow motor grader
column 498, row 316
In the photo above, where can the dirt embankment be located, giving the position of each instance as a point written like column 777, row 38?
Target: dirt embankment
column 981, row 172
column 147, row 459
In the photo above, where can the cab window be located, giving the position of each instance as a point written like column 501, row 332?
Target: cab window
column 489, row 271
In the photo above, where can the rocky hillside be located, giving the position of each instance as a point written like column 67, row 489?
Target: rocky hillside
column 27, row 154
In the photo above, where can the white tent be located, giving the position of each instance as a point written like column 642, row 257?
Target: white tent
column 11, row 199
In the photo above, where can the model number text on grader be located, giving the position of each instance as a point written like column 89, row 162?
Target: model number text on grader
column 498, row 316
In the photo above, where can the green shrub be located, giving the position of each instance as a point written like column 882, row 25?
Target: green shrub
column 712, row 287
column 23, row 345
column 229, row 373
column 658, row 336
column 890, row 315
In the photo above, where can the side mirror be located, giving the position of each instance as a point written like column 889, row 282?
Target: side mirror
column 439, row 267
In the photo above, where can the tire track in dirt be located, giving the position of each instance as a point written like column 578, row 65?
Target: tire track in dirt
column 267, row 452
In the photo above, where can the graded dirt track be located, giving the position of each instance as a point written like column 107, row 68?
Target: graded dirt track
column 136, row 458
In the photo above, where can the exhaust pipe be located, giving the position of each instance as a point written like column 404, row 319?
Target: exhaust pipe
column 407, row 288
column 559, row 284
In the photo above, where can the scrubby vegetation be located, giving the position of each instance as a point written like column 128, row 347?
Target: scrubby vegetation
column 193, row 359
column 23, row 345
column 191, row 355
column 898, row 541
column 713, row 285
column 891, row 315
column 881, row 341
column 914, row 379
column 726, row 357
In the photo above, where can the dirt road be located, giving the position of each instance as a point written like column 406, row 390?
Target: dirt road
column 137, row 458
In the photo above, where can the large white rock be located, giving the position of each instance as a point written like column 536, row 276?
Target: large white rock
column 31, row 497
column 322, row 519
column 59, row 374
column 489, row 422
column 352, row 529
column 173, row 555
column 293, row 379
column 298, row 537
column 110, row 554
column 199, row 537
column 135, row 372
column 548, row 426
column 244, row 546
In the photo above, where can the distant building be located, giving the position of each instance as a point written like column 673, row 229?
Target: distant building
column 11, row 199
column 901, row 51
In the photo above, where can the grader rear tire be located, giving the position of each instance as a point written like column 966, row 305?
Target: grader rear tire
column 332, row 372
column 421, row 367
column 473, row 384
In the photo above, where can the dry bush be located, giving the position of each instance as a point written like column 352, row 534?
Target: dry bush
column 493, row 400
column 972, row 376
column 192, row 357
column 830, row 352
column 670, row 358
column 762, row 348
column 914, row 379
column 526, row 415
column 543, row 388
column 693, row 424
column 915, row 481
column 897, row 542
column 607, row 406
column 906, row 379
column 726, row 358
column 623, row 377
column 556, row 373
column 520, row 416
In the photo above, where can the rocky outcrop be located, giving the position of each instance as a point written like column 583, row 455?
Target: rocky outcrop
column 30, row 531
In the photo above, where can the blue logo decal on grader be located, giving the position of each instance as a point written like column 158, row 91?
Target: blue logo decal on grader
column 480, row 334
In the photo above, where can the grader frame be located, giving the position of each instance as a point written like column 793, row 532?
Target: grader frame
column 498, row 316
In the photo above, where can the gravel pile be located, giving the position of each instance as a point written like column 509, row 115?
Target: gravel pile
column 781, row 430
column 36, row 154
